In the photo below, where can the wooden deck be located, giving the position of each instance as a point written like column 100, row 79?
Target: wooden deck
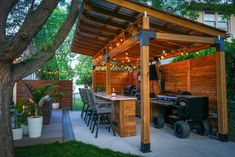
column 50, row 133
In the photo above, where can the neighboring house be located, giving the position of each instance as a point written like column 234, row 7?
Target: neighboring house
column 215, row 19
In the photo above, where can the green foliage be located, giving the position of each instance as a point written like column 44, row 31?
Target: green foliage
column 36, row 95
column 57, row 95
column 83, row 69
column 58, row 68
column 178, row 7
column 194, row 55
column 69, row 149
column 230, row 66
column 190, row 10
column 20, row 112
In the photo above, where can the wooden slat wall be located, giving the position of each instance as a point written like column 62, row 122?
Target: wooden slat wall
column 67, row 86
column 196, row 75
column 119, row 79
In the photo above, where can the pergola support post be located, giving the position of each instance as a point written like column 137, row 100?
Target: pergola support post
column 144, row 38
column 108, row 76
column 221, row 91
column 94, row 78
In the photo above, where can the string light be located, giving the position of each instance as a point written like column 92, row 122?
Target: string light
column 110, row 47
column 182, row 54
column 117, row 44
column 197, row 52
column 126, row 53
column 121, row 40
column 187, row 53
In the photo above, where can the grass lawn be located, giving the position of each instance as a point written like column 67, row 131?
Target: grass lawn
column 77, row 102
column 69, row 149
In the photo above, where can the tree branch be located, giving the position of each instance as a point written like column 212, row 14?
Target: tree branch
column 22, row 70
column 31, row 26
column 5, row 8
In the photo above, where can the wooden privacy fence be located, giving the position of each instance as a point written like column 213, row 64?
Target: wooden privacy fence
column 66, row 86
column 119, row 80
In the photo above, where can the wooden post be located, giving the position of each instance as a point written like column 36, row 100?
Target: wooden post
column 189, row 75
column 144, row 38
column 94, row 79
column 221, row 93
column 108, row 77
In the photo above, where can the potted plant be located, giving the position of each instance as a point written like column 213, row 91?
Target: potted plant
column 17, row 121
column 35, row 121
column 56, row 97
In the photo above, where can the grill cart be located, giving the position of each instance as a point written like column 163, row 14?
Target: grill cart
column 185, row 112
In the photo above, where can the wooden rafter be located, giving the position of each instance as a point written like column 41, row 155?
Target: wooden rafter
column 101, row 21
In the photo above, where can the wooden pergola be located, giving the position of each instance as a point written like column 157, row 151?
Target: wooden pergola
column 133, row 34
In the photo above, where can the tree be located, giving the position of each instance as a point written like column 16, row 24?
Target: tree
column 12, row 46
column 190, row 8
column 83, row 69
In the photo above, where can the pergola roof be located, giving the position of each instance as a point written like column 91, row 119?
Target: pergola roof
column 104, row 21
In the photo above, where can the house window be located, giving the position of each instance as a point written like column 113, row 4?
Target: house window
column 216, row 20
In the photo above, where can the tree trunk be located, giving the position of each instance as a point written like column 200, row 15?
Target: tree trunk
column 6, row 93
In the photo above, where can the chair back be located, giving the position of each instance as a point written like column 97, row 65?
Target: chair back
column 91, row 98
column 83, row 94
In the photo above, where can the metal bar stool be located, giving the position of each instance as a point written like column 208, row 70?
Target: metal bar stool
column 102, row 113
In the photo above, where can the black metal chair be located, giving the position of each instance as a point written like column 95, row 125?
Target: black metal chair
column 101, row 114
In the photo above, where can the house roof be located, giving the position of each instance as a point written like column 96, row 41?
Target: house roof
column 102, row 21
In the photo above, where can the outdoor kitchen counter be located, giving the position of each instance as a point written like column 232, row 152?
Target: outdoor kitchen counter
column 123, row 114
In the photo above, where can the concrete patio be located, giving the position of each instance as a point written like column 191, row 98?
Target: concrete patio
column 163, row 142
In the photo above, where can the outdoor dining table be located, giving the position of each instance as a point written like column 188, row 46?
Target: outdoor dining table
column 123, row 114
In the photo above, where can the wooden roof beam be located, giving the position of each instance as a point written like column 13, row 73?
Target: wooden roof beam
column 184, row 38
column 95, row 33
column 89, row 41
column 170, row 18
column 104, row 22
column 88, row 44
column 83, row 51
column 100, row 29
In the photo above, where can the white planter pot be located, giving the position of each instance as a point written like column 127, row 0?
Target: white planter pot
column 35, row 126
column 25, row 130
column 55, row 105
column 17, row 133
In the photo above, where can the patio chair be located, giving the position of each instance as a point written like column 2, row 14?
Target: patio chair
column 102, row 113
column 83, row 97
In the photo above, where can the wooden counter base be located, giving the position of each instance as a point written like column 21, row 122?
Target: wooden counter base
column 123, row 115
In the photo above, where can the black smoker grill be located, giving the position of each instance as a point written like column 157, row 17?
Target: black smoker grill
column 129, row 90
column 185, row 111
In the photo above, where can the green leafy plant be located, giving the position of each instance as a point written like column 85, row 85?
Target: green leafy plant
column 57, row 95
column 21, row 112
column 36, row 95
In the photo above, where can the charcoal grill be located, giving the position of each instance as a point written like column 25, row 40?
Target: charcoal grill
column 185, row 111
